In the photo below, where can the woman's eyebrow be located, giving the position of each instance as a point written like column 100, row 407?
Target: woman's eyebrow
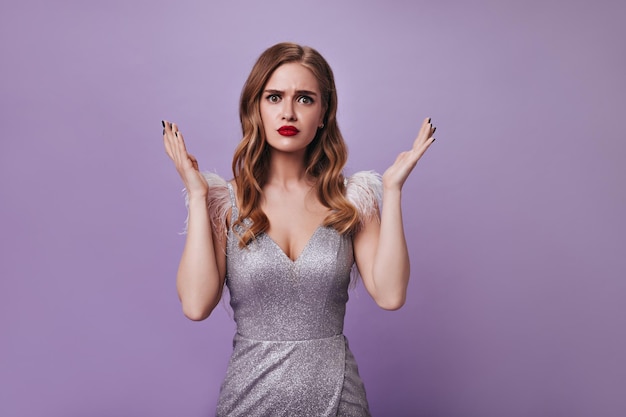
column 298, row 92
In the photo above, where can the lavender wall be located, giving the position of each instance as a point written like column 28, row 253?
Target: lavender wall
column 515, row 217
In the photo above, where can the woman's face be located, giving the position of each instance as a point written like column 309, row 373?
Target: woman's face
column 291, row 108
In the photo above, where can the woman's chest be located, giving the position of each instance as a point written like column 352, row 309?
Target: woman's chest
column 263, row 269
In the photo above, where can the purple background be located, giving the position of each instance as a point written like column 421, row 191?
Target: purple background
column 515, row 217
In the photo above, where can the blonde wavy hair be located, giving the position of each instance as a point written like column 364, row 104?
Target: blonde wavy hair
column 326, row 155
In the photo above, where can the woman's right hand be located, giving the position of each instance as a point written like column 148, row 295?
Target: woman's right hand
column 186, row 164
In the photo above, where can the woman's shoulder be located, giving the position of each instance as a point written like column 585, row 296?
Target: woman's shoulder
column 364, row 190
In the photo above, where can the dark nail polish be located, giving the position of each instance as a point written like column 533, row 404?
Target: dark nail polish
column 429, row 120
column 163, row 131
column 176, row 133
column 433, row 140
column 434, row 128
column 163, row 123
column 170, row 125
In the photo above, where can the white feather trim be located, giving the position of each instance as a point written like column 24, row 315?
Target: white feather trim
column 364, row 190
column 218, row 203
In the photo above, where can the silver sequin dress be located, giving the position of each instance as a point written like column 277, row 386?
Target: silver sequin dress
column 290, row 357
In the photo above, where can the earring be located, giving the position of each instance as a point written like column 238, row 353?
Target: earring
column 322, row 126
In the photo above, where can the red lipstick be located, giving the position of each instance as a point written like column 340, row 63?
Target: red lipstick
column 288, row 130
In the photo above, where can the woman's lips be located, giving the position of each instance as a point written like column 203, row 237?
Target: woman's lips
column 288, row 131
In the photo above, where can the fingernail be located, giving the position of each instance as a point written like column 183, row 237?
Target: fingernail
column 170, row 125
column 176, row 133
column 429, row 120
column 433, row 140
column 163, row 131
column 434, row 128
column 163, row 123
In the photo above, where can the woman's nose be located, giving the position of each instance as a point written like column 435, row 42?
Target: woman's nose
column 288, row 112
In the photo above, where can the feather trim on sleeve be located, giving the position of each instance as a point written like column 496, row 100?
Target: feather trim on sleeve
column 218, row 203
column 364, row 190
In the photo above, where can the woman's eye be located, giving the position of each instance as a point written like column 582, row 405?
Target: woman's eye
column 305, row 100
column 273, row 98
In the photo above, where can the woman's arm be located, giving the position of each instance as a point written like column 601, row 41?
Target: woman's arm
column 202, row 267
column 380, row 250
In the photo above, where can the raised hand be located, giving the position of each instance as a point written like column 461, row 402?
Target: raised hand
column 396, row 174
column 186, row 164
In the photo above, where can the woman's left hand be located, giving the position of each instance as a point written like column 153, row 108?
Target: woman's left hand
column 396, row 174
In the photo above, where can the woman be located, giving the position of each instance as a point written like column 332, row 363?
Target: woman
column 284, row 235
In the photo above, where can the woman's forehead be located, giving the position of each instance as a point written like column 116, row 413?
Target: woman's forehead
column 292, row 76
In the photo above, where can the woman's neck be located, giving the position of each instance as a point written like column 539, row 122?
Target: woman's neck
column 286, row 168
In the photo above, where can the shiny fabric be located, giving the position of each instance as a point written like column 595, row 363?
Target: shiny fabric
column 290, row 357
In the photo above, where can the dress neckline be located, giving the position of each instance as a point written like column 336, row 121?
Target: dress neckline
column 235, row 215
column 304, row 249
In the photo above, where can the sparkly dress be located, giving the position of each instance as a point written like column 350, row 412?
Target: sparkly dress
column 290, row 357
